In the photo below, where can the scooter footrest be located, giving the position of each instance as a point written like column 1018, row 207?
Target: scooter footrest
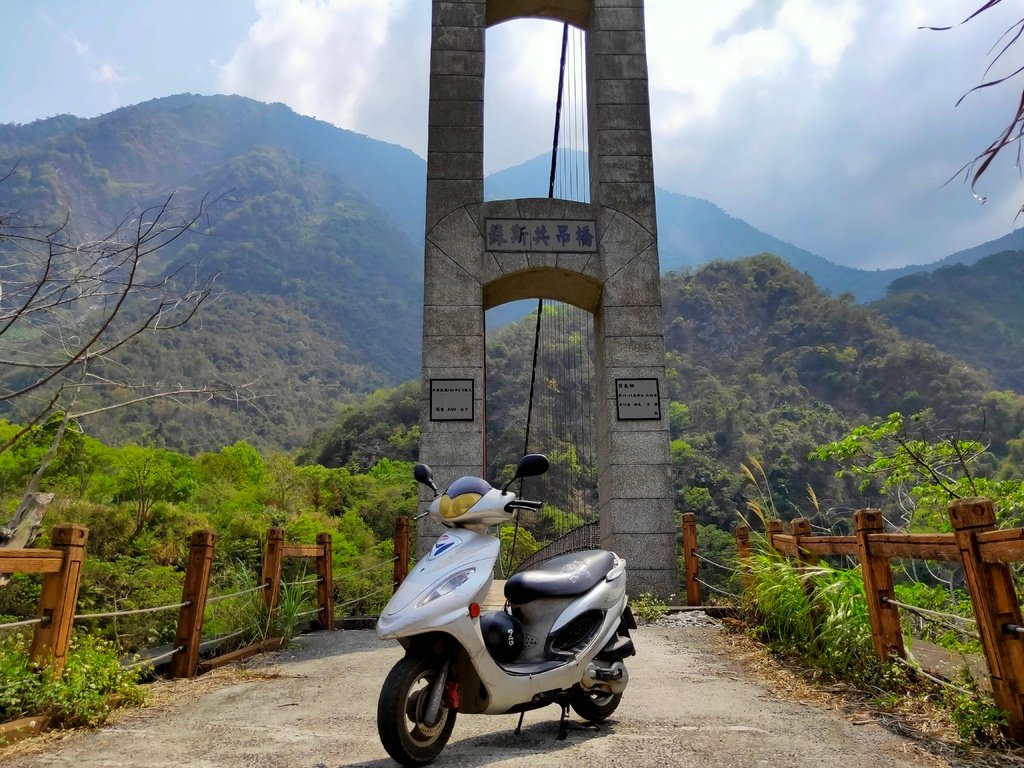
column 531, row 667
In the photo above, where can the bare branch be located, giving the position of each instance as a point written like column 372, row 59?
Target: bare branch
column 67, row 308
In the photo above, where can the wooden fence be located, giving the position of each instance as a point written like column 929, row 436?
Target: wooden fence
column 983, row 551
column 61, row 567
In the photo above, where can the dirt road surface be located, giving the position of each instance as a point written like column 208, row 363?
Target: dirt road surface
column 690, row 702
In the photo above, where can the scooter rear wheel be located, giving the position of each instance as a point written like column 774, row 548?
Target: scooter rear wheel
column 401, row 710
column 593, row 706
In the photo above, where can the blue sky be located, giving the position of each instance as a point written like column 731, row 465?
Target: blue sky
column 828, row 123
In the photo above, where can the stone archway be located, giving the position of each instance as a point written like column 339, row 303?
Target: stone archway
column 601, row 256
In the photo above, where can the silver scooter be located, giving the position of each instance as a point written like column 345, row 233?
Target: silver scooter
column 560, row 639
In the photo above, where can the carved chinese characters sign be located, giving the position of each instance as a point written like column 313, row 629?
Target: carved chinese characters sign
column 540, row 235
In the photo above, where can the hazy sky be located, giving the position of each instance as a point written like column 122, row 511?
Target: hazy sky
column 828, row 123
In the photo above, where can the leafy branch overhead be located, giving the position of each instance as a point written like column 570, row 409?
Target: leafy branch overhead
column 921, row 466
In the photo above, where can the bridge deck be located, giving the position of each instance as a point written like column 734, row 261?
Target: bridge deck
column 691, row 702
column 495, row 599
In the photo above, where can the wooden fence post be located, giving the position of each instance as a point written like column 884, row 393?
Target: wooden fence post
column 190, row 616
column 59, row 598
column 772, row 527
column 886, row 634
column 272, row 557
column 799, row 527
column 325, row 587
column 691, row 565
column 995, row 605
column 401, row 542
column 745, row 553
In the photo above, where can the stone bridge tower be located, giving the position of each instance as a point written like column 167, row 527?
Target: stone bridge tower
column 601, row 256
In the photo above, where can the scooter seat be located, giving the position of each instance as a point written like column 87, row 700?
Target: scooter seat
column 565, row 575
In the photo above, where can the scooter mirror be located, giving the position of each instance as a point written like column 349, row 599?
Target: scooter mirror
column 424, row 475
column 531, row 465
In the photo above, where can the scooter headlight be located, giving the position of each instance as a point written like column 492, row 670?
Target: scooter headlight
column 448, row 584
column 456, row 507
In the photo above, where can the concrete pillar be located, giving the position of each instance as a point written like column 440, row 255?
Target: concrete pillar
column 618, row 279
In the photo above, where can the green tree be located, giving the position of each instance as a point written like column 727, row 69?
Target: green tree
column 148, row 475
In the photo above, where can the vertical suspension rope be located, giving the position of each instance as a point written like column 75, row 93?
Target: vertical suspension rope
column 573, row 363
column 551, row 194
column 558, row 110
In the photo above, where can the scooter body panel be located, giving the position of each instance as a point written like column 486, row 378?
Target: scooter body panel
column 509, row 690
column 455, row 552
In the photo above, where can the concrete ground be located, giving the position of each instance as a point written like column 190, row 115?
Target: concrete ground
column 691, row 701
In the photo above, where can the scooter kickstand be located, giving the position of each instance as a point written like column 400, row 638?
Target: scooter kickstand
column 519, row 725
column 563, row 723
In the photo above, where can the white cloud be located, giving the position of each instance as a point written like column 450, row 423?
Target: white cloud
column 80, row 48
column 829, row 123
column 107, row 74
column 338, row 60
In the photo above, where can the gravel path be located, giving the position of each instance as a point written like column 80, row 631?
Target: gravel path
column 690, row 702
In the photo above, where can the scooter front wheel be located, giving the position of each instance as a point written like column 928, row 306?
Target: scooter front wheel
column 593, row 706
column 401, row 712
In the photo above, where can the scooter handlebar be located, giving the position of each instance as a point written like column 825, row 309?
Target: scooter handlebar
column 524, row 504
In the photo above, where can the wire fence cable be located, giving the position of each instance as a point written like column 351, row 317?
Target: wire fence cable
column 131, row 612
column 717, row 565
column 239, row 593
column 937, row 617
column 716, row 589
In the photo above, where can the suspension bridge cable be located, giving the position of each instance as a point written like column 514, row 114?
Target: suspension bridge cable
column 301, row 582
column 558, row 110
column 15, row 624
column 936, row 617
column 580, row 109
column 363, row 597
column 239, row 593
column 368, row 570
column 221, row 639
column 155, row 659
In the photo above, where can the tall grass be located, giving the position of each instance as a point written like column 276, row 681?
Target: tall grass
column 818, row 612
column 249, row 613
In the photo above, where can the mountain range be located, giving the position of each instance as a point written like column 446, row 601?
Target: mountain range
column 317, row 235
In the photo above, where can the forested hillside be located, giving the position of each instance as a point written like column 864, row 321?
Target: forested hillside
column 768, row 366
column 761, row 363
column 309, row 228
column 975, row 313
column 315, row 233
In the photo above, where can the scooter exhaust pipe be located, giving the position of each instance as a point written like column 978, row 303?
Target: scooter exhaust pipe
column 612, row 679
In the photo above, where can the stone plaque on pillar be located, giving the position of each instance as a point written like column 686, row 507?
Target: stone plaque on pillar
column 451, row 399
column 637, row 399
